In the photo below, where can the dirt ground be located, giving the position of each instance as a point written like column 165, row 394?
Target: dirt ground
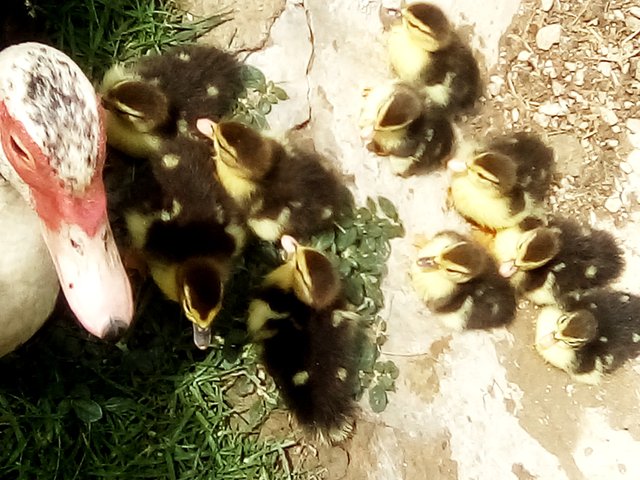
column 481, row 405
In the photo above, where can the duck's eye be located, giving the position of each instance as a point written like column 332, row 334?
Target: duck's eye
column 21, row 153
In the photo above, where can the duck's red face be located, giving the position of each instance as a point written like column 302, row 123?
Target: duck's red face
column 53, row 140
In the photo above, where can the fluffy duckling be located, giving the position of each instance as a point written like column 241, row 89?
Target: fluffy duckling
column 280, row 190
column 187, row 230
column 566, row 340
column 397, row 123
column 424, row 49
column 547, row 261
column 308, row 346
column 503, row 182
column 160, row 95
column 458, row 279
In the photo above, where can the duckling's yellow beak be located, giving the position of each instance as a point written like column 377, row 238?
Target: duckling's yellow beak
column 456, row 165
column 201, row 337
column 508, row 269
column 202, row 321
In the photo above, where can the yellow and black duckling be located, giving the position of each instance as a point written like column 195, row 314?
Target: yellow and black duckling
column 186, row 229
column 397, row 122
column 567, row 340
column 499, row 184
column 308, row 346
column 280, row 190
column 161, row 95
column 546, row 261
column 425, row 50
column 459, row 280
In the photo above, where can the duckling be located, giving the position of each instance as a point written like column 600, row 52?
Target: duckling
column 458, row 280
column 160, row 95
column 545, row 261
column 499, row 184
column 397, row 122
column 280, row 190
column 187, row 230
column 424, row 49
column 566, row 340
column 309, row 345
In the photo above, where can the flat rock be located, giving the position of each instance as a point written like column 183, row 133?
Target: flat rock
column 249, row 24
column 570, row 154
column 290, row 39
column 548, row 35
column 613, row 204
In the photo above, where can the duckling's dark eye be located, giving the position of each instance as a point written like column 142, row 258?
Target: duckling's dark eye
column 486, row 178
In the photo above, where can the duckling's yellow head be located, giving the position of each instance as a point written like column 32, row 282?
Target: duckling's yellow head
column 240, row 147
column 459, row 260
column 427, row 25
column 140, row 104
column 576, row 329
column 315, row 279
column 402, row 107
column 200, row 294
column 386, row 113
column 535, row 248
column 488, row 170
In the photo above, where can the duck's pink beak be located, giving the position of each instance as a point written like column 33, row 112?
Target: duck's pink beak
column 89, row 267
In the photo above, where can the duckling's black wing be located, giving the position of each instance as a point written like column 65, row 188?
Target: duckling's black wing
column 587, row 258
column 185, row 169
column 494, row 303
column 130, row 184
column 534, row 159
column 431, row 140
column 314, row 195
column 197, row 210
column 312, row 357
column 456, row 67
column 200, row 81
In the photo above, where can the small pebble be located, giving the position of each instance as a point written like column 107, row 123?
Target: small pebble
column 609, row 116
column 546, row 5
column 626, row 168
column 613, row 204
column 551, row 109
column 524, row 55
column 548, row 35
column 604, row 68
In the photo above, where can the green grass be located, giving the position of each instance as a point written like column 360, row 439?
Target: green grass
column 96, row 33
column 150, row 407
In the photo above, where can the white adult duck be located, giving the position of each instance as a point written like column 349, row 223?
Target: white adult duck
column 53, row 218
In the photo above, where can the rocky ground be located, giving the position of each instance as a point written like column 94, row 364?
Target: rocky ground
column 475, row 405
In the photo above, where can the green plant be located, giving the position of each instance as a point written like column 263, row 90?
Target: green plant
column 360, row 246
column 259, row 96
